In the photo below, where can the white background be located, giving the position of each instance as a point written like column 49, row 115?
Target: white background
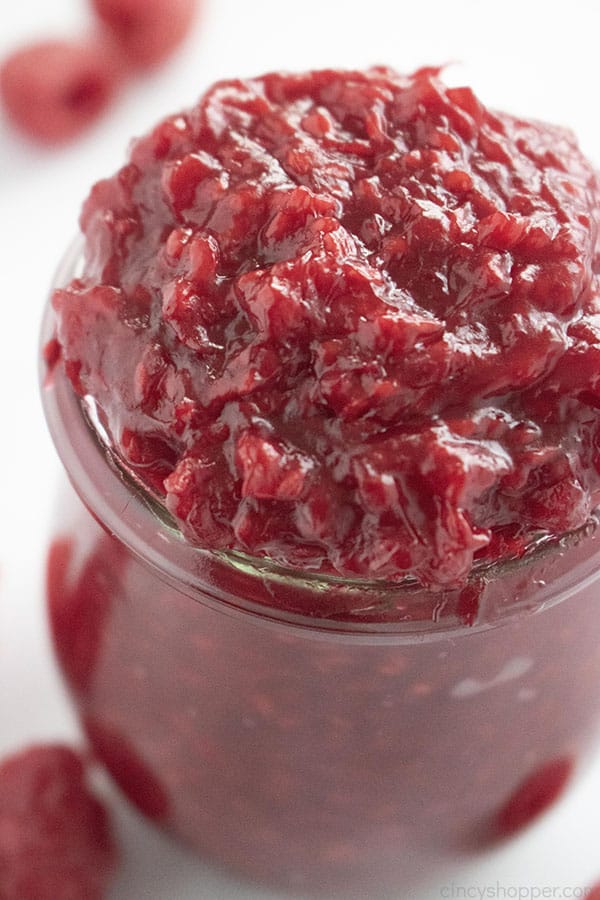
column 522, row 55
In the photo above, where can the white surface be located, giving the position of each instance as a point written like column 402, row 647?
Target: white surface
column 543, row 62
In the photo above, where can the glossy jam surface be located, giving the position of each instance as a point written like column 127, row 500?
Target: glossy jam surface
column 349, row 321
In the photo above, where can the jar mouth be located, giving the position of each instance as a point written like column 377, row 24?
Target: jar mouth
column 269, row 567
column 128, row 510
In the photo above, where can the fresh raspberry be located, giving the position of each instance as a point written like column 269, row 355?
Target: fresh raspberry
column 54, row 90
column 148, row 31
column 55, row 838
column 534, row 796
column 594, row 893
column 79, row 608
column 128, row 769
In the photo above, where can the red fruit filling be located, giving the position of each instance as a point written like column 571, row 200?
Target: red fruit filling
column 349, row 321
column 55, row 839
column 313, row 761
column 148, row 31
column 54, row 90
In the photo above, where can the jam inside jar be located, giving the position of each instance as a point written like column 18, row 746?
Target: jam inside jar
column 312, row 732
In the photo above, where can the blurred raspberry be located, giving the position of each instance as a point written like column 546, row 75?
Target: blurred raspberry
column 54, row 90
column 534, row 796
column 79, row 608
column 141, row 786
column 55, row 838
column 148, row 31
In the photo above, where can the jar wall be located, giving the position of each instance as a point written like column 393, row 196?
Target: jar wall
column 312, row 760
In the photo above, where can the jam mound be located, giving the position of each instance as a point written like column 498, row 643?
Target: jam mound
column 349, row 321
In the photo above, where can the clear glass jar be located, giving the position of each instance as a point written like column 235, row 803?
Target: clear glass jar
column 312, row 732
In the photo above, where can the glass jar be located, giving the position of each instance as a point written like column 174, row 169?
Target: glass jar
column 314, row 732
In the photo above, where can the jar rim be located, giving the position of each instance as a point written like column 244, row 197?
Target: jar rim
column 128, row 511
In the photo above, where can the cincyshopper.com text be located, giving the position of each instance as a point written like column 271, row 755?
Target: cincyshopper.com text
column 500, row 891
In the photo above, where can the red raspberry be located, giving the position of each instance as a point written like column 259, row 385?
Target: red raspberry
column 80, row 604
column 55, row 839
column 534, row 796
column 54, row 90
column 148, row 31
column 141, row 786
column 594, row 893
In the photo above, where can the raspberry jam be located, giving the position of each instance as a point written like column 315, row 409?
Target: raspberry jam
column 309, row 733
column 325, row 380
column 347, row 321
